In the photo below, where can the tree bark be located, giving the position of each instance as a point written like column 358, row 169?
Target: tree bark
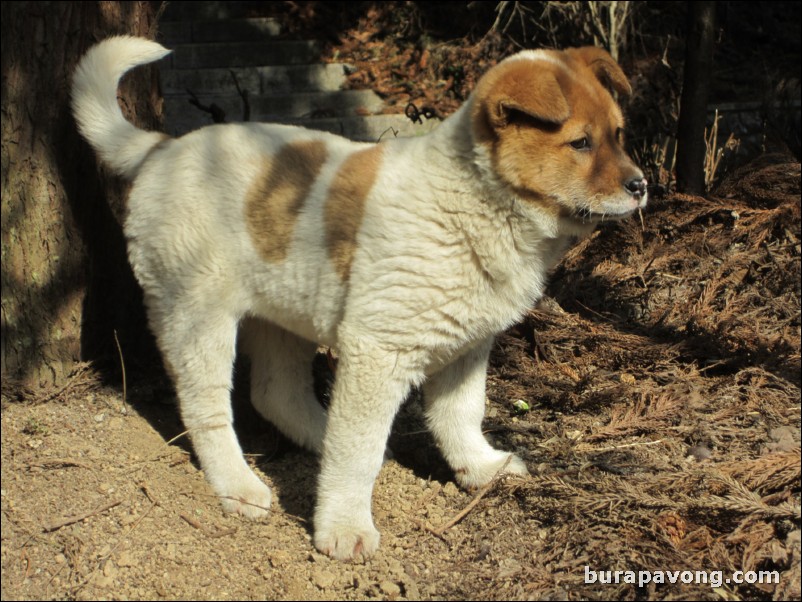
column 695, row 93
column 66, row 284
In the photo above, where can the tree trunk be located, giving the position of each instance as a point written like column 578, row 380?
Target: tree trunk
column 66, row 284
column 695, row 93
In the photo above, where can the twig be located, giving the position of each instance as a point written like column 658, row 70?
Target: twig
column 206, row 531
column 77, row 519
column 153, row 504
column 122, row 366
column 218, row 114
column 244, row 95
column 294, row 517
column 465, row 511
column 192, row 522
column 242, row 501
column 391, row 130
column 614, row 447
column 177, row 437
column 60, row 463
column 74, row 380
column 424, row 526
column 148, row 494
column 53, row 578
column 222, row 533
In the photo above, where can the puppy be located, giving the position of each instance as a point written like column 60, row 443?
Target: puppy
column 407, row 257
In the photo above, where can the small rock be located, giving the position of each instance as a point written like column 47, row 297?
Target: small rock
column 278, row 558
column 109, row 570
column 700, row 452
column 411, row 590
column 104, row 581
column 450, row 489
column 170, row 552
column 322, row 578
column 390, row 589
column 394, row 567
column 128, row 519
column 782, row 439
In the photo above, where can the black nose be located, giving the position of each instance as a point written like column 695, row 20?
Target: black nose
column 636, row 187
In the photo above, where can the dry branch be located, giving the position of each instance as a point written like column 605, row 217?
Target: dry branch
column 205, row 530
column 80, row 517
column 473, row 503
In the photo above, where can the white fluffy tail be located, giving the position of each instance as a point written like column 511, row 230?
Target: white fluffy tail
column 119, row 143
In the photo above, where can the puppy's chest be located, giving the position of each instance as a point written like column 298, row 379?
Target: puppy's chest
column 441, row 297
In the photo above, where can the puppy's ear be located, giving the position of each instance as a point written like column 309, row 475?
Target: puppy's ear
column 603, row 67
column 522, row 87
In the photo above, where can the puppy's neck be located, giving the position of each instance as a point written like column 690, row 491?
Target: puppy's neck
column 476, row 202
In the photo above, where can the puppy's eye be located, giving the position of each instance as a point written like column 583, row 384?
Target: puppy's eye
column 581, row 143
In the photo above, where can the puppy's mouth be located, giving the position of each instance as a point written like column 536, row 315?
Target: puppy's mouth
column 613, row 213
column 587, row 216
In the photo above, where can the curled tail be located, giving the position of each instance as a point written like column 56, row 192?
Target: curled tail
column 120, row 144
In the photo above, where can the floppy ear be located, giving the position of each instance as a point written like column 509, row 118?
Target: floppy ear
column 526, row 87
column 603, row 67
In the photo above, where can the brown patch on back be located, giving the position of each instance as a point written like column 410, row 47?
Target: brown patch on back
column 275, row 199
column 345, row 206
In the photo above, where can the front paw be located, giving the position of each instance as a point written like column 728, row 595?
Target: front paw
column 481, row 473
column 248, row 496
column 514, row 466
column 346, row 542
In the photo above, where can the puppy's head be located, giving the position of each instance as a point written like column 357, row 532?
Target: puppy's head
column 555, row 135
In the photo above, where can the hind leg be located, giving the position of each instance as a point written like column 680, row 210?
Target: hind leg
column 282, row 388
column 199, row 347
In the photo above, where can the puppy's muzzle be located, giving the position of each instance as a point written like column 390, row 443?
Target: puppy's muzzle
column 636, row 187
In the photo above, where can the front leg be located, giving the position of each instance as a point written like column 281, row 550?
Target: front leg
column 454, row 400
column 370, row 386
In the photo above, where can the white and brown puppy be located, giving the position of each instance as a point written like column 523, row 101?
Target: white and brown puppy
column 407, row 257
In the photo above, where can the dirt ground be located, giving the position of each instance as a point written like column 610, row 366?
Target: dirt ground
column 663, row 434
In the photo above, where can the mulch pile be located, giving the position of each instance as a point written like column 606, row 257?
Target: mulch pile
column 664, row 380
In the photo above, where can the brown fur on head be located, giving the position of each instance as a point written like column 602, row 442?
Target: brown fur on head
column 554, row 132
column 604, row 67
